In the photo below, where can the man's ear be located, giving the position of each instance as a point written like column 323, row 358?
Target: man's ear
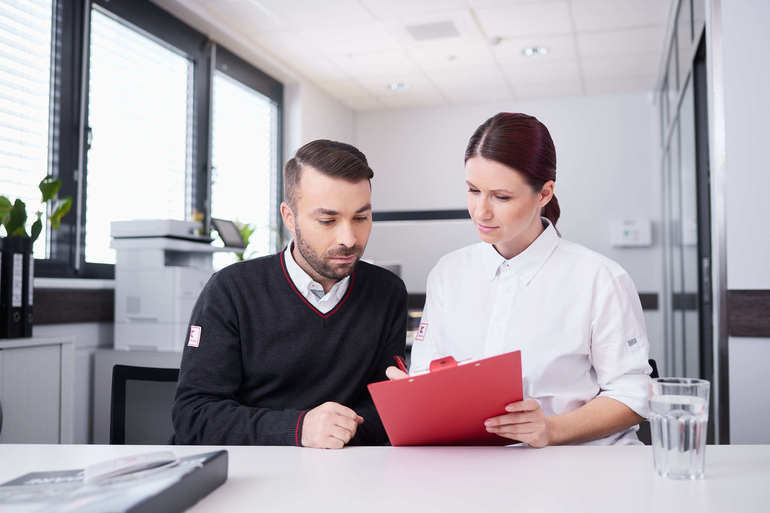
column 288, row 217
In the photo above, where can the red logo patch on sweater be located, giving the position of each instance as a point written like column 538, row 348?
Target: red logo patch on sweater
column 195, row 336
column 420, row 336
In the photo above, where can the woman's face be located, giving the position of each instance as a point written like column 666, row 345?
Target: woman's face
column 503, row 206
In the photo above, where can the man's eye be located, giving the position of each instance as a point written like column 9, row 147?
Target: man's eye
column 361, row 218
column 326, row 221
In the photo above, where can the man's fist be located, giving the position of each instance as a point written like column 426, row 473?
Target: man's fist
column 329, row 426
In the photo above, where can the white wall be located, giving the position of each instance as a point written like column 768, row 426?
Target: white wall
column 746, row 82
column 608, row 168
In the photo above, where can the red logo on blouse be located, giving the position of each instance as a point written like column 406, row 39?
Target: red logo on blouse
column 421, row 332
column 195, row 336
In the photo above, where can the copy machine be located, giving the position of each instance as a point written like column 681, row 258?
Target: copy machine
column 160, row 270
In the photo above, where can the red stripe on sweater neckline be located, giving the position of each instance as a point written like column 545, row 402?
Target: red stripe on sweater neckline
column 304, row 300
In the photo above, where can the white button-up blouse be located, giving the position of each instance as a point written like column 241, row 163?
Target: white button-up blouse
column 574, row 314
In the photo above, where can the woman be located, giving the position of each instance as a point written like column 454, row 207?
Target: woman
column 574, row 314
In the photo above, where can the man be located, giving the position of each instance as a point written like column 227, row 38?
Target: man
column 282, row 347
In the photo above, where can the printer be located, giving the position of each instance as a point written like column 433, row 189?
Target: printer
column 161, row 267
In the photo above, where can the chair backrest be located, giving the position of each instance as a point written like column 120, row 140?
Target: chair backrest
column 140, row 411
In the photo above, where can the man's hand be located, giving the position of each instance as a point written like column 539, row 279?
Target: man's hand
column 394, row 373
column 525, row 422
column 329, row 426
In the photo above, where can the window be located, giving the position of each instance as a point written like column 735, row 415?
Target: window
column 25, row 77
column 140, row 119
column 244, row 127
column 116, row 98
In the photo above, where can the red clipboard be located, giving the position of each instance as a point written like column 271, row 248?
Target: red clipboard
column 448, row 406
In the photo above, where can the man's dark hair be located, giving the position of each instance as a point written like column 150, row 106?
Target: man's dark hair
column 331, row 158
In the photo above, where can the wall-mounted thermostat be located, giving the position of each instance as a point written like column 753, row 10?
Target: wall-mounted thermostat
column 631, row 233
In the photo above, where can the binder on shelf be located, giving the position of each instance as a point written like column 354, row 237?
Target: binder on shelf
column 27, row 293
column 12, row 287
column 449, row 404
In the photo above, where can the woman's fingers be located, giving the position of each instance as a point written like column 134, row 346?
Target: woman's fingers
column 511, row 418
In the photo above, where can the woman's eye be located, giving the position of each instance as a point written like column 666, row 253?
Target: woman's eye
column 503, row 198
column 472, row 190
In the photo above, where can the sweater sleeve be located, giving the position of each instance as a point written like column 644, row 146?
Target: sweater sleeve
column 206, row 409
column 372, row 432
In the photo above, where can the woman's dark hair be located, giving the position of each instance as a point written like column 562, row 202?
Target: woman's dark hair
column 520, row 142
column 332, row 158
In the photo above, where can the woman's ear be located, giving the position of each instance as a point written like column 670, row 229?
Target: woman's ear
column 546, row 192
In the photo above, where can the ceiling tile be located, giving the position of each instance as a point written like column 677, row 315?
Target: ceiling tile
column 618, row 14
column 548, row 90
column 486, row 93
column 351, row 40
column 410, row 8
column 615, row 66
column 621, row 42
column 542, row 18
column 466, row 27
column 307, row 14
column 363, row 103
column 452, row 56
column 620, row 85
column 376, row 64
column 413, row 99
column 415, row 84
column 467, row 78
column 343, row 88
column 539, row 72
column 559, row 48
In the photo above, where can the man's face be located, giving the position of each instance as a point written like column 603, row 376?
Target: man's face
column 331, row 222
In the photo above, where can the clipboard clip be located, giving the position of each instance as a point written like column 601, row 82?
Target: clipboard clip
column 447, row 362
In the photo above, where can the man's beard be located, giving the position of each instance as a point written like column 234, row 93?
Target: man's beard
column 320, row 263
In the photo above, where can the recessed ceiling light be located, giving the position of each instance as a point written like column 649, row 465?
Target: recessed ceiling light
column 397, row 86
column 451, row 57
column 533, row 51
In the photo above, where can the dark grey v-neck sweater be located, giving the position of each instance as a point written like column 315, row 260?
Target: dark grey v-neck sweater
column 265, row 355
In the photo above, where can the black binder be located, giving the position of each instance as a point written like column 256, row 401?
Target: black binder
column 12, row 287
column 190, row 480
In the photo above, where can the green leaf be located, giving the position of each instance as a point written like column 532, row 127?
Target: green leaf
column 5, row 209
column 16, row 219
column 62, row 207
column 37, row 226
column 49, row 187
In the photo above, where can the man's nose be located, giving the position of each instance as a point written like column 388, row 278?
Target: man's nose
column 346, row 236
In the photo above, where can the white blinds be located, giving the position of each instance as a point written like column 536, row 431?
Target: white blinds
column 140, row 114
column 25, row 72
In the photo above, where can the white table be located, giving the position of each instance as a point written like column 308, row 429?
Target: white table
column 448, row 479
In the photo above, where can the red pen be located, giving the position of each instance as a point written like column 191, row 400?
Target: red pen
column 400, row 363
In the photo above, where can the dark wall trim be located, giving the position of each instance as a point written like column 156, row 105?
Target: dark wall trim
column 64, row 306
column 420, row 215
column 748, row 313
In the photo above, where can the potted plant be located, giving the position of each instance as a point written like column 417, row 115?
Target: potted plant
column 16, row 261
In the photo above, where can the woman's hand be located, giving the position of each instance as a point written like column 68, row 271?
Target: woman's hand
column 524, row 422
column 394, row 373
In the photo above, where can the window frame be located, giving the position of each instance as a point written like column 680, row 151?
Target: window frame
column 68, row 123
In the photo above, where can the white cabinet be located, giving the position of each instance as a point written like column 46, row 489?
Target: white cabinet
column 36, row 390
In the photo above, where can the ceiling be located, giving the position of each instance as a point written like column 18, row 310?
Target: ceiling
column 466, row 51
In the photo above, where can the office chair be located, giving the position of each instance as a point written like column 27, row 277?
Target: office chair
column 644, row 427
column 140, row 411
